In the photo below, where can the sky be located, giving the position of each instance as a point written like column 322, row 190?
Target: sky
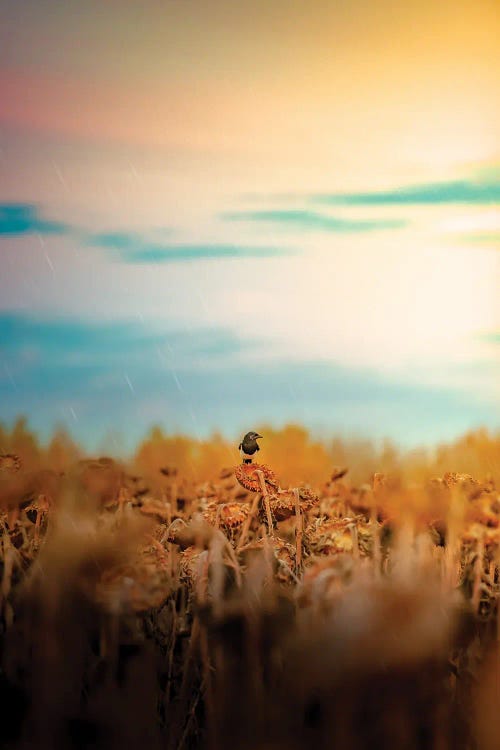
column 215, row 215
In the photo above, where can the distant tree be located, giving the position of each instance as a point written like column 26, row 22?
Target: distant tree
column 62, row 451
column 4, row 438
column 294, row 456
column 158, row 451
column 25, row 444
column 213, row 455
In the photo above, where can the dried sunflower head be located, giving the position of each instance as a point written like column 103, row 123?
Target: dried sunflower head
column 308, row 499
column 229, row 515
column 247, row 476
column 282, row 506
column 332, row 536
column 233, row 515
column 283, row 503
column 9, row 463
column 453, row 477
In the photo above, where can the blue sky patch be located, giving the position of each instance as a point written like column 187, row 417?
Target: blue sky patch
column 100, row 377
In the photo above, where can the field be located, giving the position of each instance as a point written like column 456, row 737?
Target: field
column 330, row 595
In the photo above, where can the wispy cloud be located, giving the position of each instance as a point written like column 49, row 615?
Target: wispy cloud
column 313, row 221
column 25, row 218
column 481, row 192
column 17, row 219
column 132, row 248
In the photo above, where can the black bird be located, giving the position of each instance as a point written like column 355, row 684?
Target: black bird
column 249, row 446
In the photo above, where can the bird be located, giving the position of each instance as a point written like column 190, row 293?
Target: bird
column 249, row 446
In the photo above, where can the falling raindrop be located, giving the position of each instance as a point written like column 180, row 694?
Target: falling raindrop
column 135, row 174
column 51, row 266
column 174, row 375
column 60, row 176
column 193, row 418
column 127, row 380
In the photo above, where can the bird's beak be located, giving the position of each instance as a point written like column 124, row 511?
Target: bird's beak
column 258, row 436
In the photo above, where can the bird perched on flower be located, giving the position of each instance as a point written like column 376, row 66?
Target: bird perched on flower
column 249, row 446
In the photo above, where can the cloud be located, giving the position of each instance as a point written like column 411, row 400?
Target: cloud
column 126, row 376
column 481, row 192
column 122, row 241
column 24, row 218
column 132, row 248
column 311, row 220
column 18, row 219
